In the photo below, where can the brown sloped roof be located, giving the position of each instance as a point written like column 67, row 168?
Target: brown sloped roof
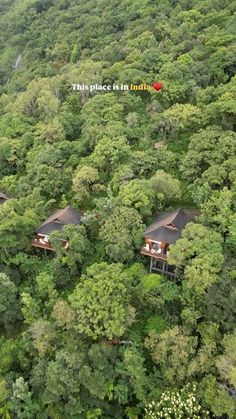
column 3, row 198
column 168, row 226
column 59, row 219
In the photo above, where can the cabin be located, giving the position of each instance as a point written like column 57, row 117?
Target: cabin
column 166, row 230
column 55, row 222
column 3, row 198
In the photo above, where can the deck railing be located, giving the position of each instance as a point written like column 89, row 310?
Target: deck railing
column 43, row 245
column 40, row 243
column 154, row 253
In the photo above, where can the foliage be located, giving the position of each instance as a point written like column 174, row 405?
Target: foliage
column 172, row 351
column 122, row 233
column 101, row 302
column 85, row 183
column 9, row 305
column 199, row 250
column 138, row 194
column 178, row 404
column 86, row 331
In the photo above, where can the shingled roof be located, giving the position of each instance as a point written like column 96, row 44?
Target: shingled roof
column 168, row 226
column 59, row 219
column 3, row 198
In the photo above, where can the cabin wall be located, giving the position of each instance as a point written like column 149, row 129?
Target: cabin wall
column 162, row 244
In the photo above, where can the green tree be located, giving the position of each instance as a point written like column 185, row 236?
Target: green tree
column 108, row 154
column 177, row 119
column 22, row 403
column 4, row 403
column 41, row 300
column 16, row 226
column 199, row 254
column 219, row 302
column 207, row 148
column 101, row 302
column 226, row 363
column 154, row 291
column 75, row 239
column 138, row 193
column 121, row 177
column 216, row 397
column 43, row 336
column 135, row 370
column 167, row 189
column 172, row 351
column 99, row 150
column 40, row 99
column 218, row 210
column 74, row 53
column 86, row 183
column 9, row 305
column 122, row 233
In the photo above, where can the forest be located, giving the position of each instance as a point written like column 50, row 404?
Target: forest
column 87, row 330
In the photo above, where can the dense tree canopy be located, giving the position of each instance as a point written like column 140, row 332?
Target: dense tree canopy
column 86, row 331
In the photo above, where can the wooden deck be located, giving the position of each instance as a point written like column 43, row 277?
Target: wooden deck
column 46, row 246
column 160, row 256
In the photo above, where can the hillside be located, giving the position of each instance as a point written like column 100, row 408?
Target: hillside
column 87, row 331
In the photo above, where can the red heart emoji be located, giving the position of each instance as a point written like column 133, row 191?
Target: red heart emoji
column 158, row 86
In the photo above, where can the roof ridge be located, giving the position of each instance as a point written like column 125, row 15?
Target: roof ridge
column 166, row 218
column 63, row 216
column 61, row 211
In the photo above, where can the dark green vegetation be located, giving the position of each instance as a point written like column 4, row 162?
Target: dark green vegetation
column 96, row 152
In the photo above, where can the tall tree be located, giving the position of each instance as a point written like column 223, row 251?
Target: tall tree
column 101, row 302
